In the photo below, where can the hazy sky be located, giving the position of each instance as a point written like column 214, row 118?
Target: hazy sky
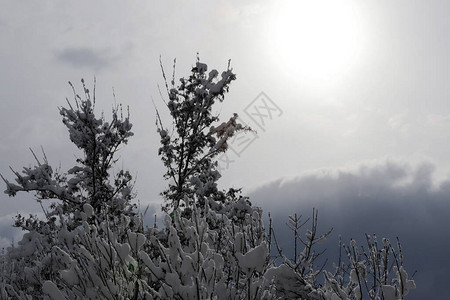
column 354, row 115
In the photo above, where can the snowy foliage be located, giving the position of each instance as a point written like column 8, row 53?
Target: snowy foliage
column 92, row 243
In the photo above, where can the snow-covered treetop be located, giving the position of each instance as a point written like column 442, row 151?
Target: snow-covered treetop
column 188, row 152
column 89, row 181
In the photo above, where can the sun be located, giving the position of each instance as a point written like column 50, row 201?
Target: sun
column 317, row 39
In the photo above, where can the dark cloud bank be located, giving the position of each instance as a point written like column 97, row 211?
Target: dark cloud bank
column 390, row 199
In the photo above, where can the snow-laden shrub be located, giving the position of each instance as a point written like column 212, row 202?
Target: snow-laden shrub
column 374, row 273
column 187, row 259
column 198, row 262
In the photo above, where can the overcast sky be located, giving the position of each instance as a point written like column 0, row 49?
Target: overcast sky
column 350, row 101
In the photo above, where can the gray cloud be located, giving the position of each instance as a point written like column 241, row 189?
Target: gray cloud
column 83, row 57
column 391, row 199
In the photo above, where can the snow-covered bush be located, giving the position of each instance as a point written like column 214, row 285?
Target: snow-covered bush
column 376, row 273
column 92, row 243
column 372, row 273
column 86, row 195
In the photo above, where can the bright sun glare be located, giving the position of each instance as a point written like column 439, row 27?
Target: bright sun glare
column 317, row 39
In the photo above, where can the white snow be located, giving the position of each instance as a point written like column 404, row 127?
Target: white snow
column 52, row 290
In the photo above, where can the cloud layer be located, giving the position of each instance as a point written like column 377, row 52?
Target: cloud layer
column 391, row 199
